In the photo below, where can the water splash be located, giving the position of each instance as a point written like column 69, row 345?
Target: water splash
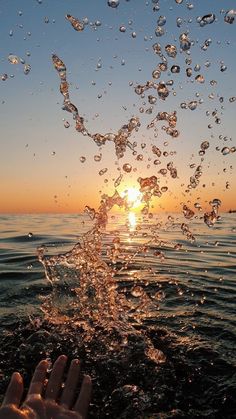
column 120, row 140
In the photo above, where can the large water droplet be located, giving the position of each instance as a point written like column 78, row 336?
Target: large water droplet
column 207, row 19
column 185, row 43
column 230, row 16
column 113, row 3
column 171, row 50
column 27, row 68
column 127, row 168
column 13, row 59
column 192, row 105
column 175, row 69
column 159, row 31
column 161, row 21
column 225, row 151
column 75, row 23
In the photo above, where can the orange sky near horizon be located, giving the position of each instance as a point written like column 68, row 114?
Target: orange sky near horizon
column 40, row 161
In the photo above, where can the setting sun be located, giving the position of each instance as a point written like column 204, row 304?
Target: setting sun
column 133, row 197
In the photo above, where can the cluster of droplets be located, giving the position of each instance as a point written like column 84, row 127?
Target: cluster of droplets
column 187, row 232
column 188, row 213
column 171, row 119
column 14, row 59
column 149, row 187
column 121, row 139
column 194, row 179
column 211, row 217
column 64, row 90
column 161, row 89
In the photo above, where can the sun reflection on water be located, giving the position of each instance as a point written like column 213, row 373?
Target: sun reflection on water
column 132, row 220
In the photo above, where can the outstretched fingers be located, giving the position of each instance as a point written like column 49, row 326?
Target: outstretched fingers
column 14, row 390
column 38, row 379
column 82, row 403
column 55, row 380
column 68, row 394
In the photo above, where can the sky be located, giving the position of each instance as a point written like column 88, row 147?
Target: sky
column 46, row 167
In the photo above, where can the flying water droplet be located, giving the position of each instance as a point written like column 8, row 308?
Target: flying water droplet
column 205, row 145
column 207, row 19
column 122, row 28
column 75, row 23
column 223, row 68
column 27, row 68
column 175, row 69
column 156, row 73
column 13, row 59
column 171, row 50
column 200, row 78
column 152, row 99
column 102, row 171
column 161, row 21
column 188, row 213
column 225, row 151
column 192, row 105
column 189, row 71
column 179, row 22
column 127, row 168
column 159, row 31
column 185, row 43
column 162, row 91
column 230, row 16
column 113, row 3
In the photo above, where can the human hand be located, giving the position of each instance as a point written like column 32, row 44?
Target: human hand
column 54, row 404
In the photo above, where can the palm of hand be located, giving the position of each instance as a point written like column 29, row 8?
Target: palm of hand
column 48, row 407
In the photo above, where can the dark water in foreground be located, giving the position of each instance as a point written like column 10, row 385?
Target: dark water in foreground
column 194, row 324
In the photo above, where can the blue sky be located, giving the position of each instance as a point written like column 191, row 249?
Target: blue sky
column 40, row 160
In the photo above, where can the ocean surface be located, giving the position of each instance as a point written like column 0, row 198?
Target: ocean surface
column 194, row 281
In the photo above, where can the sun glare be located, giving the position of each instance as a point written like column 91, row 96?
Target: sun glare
column 133, row 197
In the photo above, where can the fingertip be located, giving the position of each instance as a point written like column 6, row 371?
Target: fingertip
column 87, row 379
column 16, row 376
column 87, row 382
column 62, row 358
column 43, row 363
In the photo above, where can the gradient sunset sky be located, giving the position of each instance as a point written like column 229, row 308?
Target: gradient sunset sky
column 40, row 160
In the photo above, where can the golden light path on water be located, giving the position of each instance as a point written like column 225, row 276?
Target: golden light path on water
column 132, row 220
